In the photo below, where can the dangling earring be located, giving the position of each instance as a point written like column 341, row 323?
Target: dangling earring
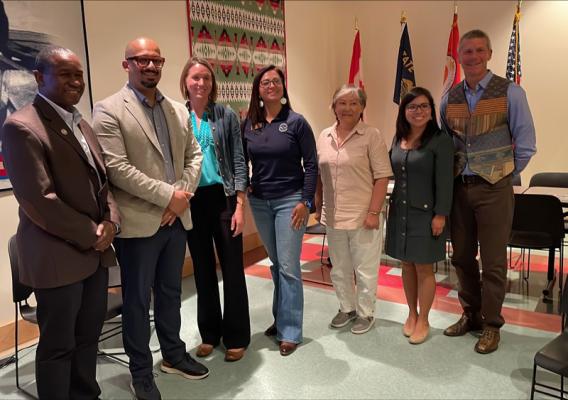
column 283, row 100
column 261, row 103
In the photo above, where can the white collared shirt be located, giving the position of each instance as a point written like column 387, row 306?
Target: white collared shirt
column 72, row 120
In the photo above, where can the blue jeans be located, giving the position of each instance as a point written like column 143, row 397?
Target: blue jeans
column 283, row 245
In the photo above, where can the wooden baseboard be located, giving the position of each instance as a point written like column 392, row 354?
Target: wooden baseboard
column 28, row 331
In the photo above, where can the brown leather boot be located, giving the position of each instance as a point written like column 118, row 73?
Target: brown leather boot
column 488, row 342
column 466, row 323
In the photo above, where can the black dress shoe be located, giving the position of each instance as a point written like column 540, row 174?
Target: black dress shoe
column 271, row 330
column 287, row 348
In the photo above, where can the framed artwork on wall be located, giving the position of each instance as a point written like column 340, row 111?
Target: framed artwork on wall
column 238, row 38
column 25, row 28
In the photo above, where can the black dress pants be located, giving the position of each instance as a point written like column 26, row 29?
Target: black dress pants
column 152, row 264
column 70, row 320
column 211, row 212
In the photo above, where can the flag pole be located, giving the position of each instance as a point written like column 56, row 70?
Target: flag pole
column 356, row 24
column 402, row 17
column 455, row 7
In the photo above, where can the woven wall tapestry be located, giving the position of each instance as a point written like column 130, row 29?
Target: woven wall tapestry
column 238, row 38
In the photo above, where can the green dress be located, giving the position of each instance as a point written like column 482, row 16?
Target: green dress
column 423, row 188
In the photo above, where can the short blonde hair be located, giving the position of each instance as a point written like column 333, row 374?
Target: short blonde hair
column 475, row 34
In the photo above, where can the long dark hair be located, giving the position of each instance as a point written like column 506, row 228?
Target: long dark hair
column 256, row 113
column 402, row 125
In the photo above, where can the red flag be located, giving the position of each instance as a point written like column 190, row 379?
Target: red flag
column 356, row 69
column 452, row 75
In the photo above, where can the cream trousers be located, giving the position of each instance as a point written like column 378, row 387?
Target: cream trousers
column 355, row 255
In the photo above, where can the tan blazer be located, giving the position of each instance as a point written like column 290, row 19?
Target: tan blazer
column 61, row 200
column 135, row 162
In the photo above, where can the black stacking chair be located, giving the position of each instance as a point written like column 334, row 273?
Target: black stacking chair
column 21, row 294
column 319, row 229
column 538, row 224
column 553, row 357
column 516, row 181
column 550, row 179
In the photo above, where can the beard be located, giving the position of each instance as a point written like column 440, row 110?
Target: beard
column 149, row 84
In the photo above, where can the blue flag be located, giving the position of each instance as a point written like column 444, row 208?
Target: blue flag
column 405, row 67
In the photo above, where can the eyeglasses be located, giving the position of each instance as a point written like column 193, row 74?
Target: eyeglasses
column 143, row 62
column 266, row 82
column 415, row 107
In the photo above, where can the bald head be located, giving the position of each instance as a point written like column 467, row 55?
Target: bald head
column 140, row 45
column 143, row 62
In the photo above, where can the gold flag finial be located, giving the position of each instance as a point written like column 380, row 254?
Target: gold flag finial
column 455, row 7
column 402, row 17
column 356, row 23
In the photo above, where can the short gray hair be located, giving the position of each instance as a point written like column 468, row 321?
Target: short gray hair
column 475, row 34
column 44, row 59
column 348, row 89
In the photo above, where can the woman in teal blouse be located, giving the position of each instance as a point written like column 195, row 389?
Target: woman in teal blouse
column 217, row 210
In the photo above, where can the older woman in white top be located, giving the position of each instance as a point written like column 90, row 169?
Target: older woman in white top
column 354, row 171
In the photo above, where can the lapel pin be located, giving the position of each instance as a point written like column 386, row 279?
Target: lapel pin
column 64, row 131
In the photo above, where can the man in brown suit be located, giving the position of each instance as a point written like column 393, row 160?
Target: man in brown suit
column 68, row 220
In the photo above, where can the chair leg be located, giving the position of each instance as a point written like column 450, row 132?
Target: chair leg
column 561, row 387
column 561, row 268
column 533, row 381
column 528, row 266
column 16, row 346
column 322, row 248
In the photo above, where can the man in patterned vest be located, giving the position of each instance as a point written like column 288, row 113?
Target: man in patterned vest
column 494, row 138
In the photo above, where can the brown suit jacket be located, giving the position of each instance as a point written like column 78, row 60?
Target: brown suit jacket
column 61, row 200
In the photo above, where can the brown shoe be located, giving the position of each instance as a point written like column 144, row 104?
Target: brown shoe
column 271, row 330
column 488, row 342
column 204, row 349
column 232, row 355
column 287, row 348
column 465, row 324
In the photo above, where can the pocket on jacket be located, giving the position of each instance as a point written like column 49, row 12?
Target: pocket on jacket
column 423, row 205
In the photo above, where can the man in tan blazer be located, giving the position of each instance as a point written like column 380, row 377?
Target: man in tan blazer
column 67, row 223
column 154, row 165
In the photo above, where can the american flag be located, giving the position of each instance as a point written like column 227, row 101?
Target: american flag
column 514, row 57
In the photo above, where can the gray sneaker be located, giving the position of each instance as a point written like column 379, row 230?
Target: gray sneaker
column 145, row 388
column 341, row 319
column 362, row 325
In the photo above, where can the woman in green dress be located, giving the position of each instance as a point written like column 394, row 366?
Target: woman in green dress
column 422, row 162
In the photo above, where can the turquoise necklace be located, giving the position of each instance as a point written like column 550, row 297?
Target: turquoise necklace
column 203, row 134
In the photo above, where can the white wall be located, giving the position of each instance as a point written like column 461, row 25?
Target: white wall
column 319, row 40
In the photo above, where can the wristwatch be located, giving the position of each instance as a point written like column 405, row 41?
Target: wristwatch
column 117, row 227
column 308, row 204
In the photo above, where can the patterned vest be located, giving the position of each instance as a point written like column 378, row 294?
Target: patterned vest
column 482, row 138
